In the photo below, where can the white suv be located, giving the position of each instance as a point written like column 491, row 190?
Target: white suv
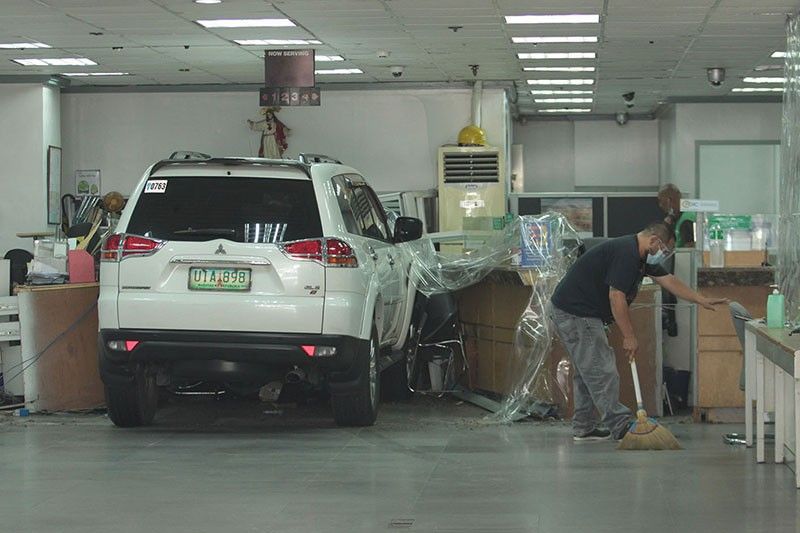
column 247, row 271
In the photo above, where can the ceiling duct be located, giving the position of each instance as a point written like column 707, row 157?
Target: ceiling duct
column 477, row 97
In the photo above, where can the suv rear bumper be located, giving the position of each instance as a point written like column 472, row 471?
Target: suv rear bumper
column 277, row 351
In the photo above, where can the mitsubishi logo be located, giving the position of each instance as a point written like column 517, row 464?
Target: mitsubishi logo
column 220, row 251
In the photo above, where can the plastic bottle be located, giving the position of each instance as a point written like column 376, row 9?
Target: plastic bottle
column 717, row 246
column 775, row 310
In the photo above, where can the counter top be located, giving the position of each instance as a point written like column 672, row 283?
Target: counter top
column 735, row 276
column 57, row 287
column 777, row 344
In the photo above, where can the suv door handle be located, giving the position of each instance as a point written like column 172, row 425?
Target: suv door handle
column 372, row 253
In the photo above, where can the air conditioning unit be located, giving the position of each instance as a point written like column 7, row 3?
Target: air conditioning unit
column 472, row 188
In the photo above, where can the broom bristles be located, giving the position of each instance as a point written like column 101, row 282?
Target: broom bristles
column 647, row 434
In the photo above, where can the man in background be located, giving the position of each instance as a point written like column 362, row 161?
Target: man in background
column 669, row 200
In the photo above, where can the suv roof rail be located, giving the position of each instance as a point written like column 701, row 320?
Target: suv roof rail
column 187, row 154
column 308, row 159
column 233, row 161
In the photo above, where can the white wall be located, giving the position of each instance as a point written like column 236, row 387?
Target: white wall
column 548, row 155
column 392, row 136
column 562, row 155
column 667, row 148
column 23, row 204
column 610, row 155
column 719, row 122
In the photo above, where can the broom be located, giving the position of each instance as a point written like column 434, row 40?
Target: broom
column 645, row 433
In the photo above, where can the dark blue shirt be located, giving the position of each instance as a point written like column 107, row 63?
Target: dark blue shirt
column 615, row 263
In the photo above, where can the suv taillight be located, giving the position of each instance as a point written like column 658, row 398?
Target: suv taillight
column 304, row 250
column 339, row 253
column 110, row 251
column 329, row 252
column 128, row 245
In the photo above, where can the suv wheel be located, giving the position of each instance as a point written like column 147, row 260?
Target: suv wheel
column 133, row 405
column 359, row 407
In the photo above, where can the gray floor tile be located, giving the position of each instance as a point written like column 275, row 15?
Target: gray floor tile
column 225, row 466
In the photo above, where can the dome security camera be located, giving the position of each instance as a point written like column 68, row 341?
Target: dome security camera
column 621, row 118
column 716, row 76
column 629, row 98
column 397, row 71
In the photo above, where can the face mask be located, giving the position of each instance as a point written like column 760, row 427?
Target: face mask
column 656, row 258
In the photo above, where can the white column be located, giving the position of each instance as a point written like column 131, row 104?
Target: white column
column 760, row 406
column 796, row 390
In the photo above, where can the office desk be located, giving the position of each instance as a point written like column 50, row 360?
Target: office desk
column 772, row 363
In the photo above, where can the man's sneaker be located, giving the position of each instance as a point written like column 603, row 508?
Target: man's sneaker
column 595, row 434
column 623, row 432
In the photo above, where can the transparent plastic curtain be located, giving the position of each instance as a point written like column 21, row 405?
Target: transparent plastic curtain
column 789, row 207
column 541, row 248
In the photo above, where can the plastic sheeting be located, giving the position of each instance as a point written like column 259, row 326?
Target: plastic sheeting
column 789, row 206
column 540, row 248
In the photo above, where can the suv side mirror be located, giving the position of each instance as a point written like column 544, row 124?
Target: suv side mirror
column 407, row 229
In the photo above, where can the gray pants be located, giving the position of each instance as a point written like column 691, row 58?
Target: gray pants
column 595, row 376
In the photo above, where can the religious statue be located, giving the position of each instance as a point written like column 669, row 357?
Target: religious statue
column 273, row 133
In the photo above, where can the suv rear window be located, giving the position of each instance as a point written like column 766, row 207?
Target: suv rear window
column 253, row 210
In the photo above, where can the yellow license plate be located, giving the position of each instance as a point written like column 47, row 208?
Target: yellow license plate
column 219, row 279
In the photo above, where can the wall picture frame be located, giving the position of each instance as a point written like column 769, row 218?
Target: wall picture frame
column 54, row 184
column 87, row 182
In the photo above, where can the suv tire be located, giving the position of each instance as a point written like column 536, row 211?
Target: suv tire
column 133, row 405
column 359, row 407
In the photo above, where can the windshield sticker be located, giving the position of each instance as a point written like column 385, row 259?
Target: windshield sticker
column 155, row 186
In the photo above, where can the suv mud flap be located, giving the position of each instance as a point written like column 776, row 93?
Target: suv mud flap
column 342, row 382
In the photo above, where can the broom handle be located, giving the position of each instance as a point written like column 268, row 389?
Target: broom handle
column 635, row 374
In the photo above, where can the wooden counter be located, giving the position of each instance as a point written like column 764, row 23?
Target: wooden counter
column 719, row 351
column 59, row 340
column 490, row 312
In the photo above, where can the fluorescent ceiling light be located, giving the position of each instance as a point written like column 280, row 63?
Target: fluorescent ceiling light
column 764, row 80
column 550, row 40
column 58, row 62
column 20, row 46
column 246, row 23
column 207, row 1
column 575, row 81
column 557, row 55
column 553, row 19
column 762, row 68
column 329, row 58
column 563, row 100
column 273, row 42
column 84, row 74
column 566, row 110
column 558, row 69
column 758, row 89
column 778, row 53
column 550, row 92
column 340, row 71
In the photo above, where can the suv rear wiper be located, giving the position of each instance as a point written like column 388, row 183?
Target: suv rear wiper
column 221, row 232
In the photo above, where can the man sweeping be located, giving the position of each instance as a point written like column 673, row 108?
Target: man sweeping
column 596, row 291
